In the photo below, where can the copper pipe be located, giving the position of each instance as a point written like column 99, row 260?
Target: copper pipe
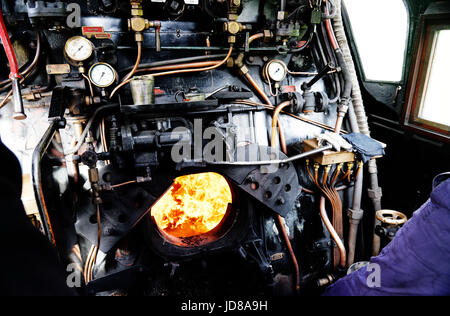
column 291, row 251
column 333, row 233
column 276, row 114
column 255, row 37
column 91, row 89
column 33, row 63
column 87, row 263
column 328, row 128
column 208, row 44
column 179, row 66
column 258, row 88
column 279, row 218
column 330, row 32
column 123, row 184
column 333, row 197
column 176, row 72
column 136, row 65
column 339, row 121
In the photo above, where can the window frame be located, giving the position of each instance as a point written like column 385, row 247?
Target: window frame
column 429, row 26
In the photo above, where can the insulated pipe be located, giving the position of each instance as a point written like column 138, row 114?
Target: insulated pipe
column 14, row 75
column 355, row 214
column 375, row 192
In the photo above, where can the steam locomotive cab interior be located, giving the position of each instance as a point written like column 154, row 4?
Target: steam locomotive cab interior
column 223, row 147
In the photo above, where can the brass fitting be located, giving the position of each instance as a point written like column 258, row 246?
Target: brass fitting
column 268, row 35
column 243, row 70
column 239, row 60
column 350, row 165
column 233, row 28
column 233, row 8
column 230, row 62
column 138, row 24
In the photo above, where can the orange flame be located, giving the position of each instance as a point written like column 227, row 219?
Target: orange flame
column 194, row 205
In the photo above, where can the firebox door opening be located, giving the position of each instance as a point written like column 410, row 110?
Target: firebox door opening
column 196, row 205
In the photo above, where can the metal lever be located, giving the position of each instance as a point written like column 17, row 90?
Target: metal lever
column 19, row 113
column 323, row 72
column 14, row 75
column 157, row 26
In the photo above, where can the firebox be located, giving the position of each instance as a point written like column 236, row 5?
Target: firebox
column 194, row 205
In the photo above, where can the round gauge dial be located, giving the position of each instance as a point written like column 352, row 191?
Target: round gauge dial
column 78, row 49
column 276, row 71
column 102, row 75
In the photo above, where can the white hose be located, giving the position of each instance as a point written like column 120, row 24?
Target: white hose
column 360, row 112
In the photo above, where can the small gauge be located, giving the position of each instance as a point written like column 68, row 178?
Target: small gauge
column 102, row 75
column 276, row 70
column 78, row 49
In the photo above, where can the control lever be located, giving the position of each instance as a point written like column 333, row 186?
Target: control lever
column 312, row 99
column 14, row 75
column 307, row 85
column 157, row 26
column 19, row 113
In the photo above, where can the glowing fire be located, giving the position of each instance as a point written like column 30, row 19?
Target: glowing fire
column 194, row 205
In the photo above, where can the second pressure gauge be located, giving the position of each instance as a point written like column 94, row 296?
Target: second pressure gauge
column 275, row 70
column 78, row 49
column 102, row 75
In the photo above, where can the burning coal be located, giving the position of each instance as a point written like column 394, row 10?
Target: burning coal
column 194, row 205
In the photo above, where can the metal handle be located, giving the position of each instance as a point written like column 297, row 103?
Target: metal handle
column 319, row 76
column 158, row 38
column 19, row 113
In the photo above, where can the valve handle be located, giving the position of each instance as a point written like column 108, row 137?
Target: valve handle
column 391, row 217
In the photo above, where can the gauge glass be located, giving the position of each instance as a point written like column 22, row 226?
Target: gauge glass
column 276, row 71
column 102, row 75
column 79, row 48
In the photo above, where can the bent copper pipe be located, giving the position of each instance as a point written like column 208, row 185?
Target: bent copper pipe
column 179, row 66
column 258, row 88
column 136, row 65
column 275, row 123
column 333, row 233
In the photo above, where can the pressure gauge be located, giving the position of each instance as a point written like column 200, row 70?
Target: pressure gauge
column 102, row 75
column 78, row 49
column 275, row 70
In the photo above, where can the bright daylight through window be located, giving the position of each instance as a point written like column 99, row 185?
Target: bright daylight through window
column 435, row 106
column 380, row 29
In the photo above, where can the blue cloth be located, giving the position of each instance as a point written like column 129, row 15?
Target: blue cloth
column 416, row 262
column 367, row 147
